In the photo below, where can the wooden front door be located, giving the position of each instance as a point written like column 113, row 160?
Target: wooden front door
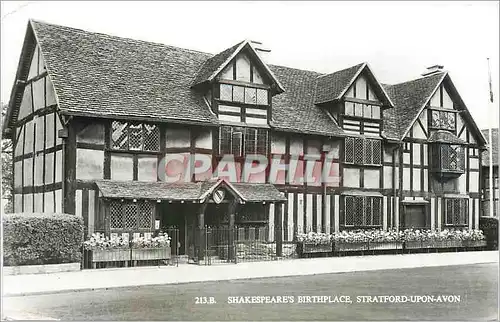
column 416, row 216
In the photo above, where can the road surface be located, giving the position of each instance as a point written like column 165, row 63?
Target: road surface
column 458, row 293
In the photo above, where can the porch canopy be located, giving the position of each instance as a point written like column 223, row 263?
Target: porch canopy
column 197, row 192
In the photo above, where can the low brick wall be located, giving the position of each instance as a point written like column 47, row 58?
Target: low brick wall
column 40, row 269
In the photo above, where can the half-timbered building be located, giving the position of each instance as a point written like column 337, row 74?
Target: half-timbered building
column 493, row 145
column 95, row 119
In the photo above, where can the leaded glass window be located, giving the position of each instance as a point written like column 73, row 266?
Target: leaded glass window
column 443, row 120
column 135, row 136
column 236, row 140
column 362, row 211
column 456, row 211
column 131, row 216
column 363, row 151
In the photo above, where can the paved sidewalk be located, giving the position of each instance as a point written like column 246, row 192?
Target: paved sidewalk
column 138, row 276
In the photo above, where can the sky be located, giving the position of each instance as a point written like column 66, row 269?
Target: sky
column 398, row 39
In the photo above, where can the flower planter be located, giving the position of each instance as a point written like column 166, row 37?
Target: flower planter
column 309, row 248
column 417, row 244
column 350, row 247
column 147, row 254
column 474, row 243
column 446, row 244
column 385, row 245
column 110, row 255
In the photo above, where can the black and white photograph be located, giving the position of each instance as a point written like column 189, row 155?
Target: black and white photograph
column 250, row 160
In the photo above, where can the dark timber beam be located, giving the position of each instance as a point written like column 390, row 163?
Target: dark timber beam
column 278, row 231
column 231, row 213
column 201, row 231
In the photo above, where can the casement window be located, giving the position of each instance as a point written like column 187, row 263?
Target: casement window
column 362, row 211
column 243, row 94
column 241, row 141
column 362, row 110
column 443, row 120
column 456, row 211
column 363, row 151
column 131, row 216
column 448, row 158
column 135, row 136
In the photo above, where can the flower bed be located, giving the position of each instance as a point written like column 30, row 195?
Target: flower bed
column 118, row 249
column 315, row 243
column 106, row 249
column 362, row 240
column 453, row 238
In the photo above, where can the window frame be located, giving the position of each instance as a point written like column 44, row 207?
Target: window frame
column 263, row 89
column 121, row 210
column 366, row 143
column 243, row 144
column 364, row 201
column 437, row 155
column 440, row 126
column 464, row 216
column 144, row 132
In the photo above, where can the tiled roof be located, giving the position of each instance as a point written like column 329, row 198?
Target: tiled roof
column 149, row 190
column 100, row 75
column 107, row 76
column 213, row 63
column 190, row 191
column 445, row 137
column 409, row 99
column 294, row 110
column 331, row 86
column 493, row 145
column 255, row 192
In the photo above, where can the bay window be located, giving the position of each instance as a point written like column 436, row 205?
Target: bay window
column 448, row 158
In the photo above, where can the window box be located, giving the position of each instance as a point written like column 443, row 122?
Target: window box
column 385, row 245
column 446, row 244
column 311, row 248
column 474, row 243
column 110, row 255
column 350, row 247
column 159, row 253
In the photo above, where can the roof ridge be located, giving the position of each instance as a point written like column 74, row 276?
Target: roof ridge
column 343, row 69
column 294, row 68
column 418, row 78
column 118, row 38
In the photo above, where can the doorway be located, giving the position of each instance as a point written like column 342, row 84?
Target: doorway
column 176, row 215
column 416, row 216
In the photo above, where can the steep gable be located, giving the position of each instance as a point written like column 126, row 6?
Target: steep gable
column 334, row 86
column 221, row 62
column 411, row 99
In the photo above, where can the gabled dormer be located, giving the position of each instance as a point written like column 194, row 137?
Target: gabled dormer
column 238, row 85
column 355, row 99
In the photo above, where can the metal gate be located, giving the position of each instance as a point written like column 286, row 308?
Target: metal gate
column 215, row 245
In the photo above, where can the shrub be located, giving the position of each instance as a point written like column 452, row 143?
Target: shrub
column 490, row 227
column 35, row 238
